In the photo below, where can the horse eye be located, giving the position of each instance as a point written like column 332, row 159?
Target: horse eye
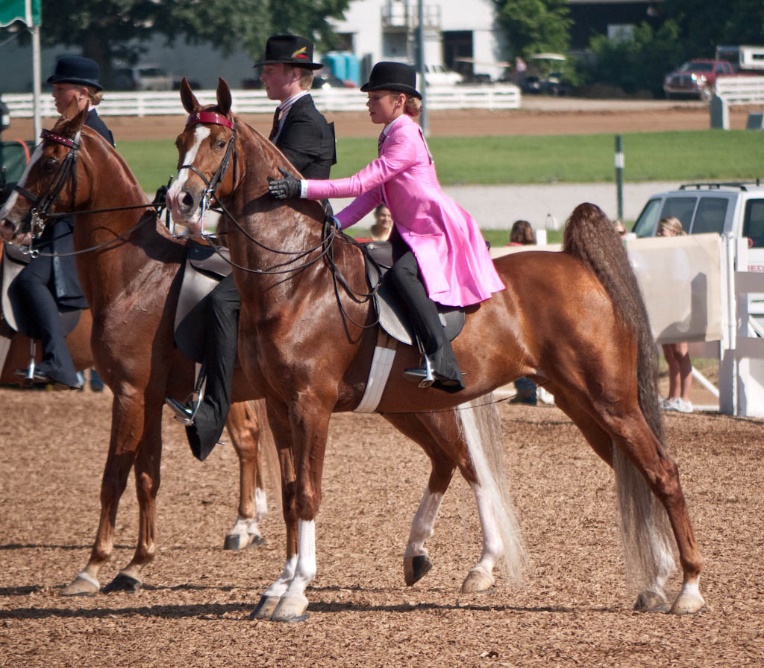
column 49, row 165
column 221, row 143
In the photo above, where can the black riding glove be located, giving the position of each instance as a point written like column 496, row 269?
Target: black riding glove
column 160, row 199
column 286, row 188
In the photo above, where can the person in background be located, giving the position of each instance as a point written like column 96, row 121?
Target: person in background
column 620, row 228
column 438, row 250
column 383, row 224
column 48, row 284
column 522, row 234
column 305, row 137
column 677, row 354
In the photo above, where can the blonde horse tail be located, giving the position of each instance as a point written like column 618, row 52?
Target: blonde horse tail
column 481, row 428
column 646, row 532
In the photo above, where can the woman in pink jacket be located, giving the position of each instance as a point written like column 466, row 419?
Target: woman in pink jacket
column 440, row 254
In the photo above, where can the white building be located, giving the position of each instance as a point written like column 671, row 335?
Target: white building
column 377, row 30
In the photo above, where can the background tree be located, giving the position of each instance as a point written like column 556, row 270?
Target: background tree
column 704, row 24
column 534, row 26
column 108, row 29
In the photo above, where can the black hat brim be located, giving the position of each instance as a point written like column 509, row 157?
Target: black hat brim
column 294, row 63
column 74, row 80
column 397, row 88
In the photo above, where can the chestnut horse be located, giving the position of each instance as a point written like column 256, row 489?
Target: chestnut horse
column 129, row 269
column 573, row 321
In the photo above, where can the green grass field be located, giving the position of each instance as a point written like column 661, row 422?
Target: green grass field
column 660, row 156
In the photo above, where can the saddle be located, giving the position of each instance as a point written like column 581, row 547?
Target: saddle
column 391, row 311
column 205, row 267
column 13, row 262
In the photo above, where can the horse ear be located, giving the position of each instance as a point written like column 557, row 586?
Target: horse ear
column 73, row 118
column 224, row 97
column 187, row 97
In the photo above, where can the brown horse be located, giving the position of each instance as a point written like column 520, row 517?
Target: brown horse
column 573, row 321
column 129, row 269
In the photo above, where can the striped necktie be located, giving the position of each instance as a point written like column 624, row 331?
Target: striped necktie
column 275, row 128
column 381, row 141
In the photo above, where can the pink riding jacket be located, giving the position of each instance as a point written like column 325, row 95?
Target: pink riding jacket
column 447, row 243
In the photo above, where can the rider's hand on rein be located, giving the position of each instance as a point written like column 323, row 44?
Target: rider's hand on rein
column 286, row 188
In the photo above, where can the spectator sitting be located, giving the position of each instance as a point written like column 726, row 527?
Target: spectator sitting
column 383, row 224
column 620, row 227
column 677, row 354
column 522, row 235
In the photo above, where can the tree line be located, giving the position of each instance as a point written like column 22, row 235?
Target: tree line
column 106, row 30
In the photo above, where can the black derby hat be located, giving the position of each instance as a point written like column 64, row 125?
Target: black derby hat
column 289, row 50
column 397, row 77
column 77, row 70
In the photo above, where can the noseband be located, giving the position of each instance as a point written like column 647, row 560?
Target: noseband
column 211, row 185
column 68, row 168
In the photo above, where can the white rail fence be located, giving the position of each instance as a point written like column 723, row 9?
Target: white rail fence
column 741, row 368
column 153, row 103
column 735, row 91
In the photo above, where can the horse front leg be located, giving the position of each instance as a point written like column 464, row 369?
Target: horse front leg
column 309, row 426
column 123, row 445
column 271, row 597
column 245, row 427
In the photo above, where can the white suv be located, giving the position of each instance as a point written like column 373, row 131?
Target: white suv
column 725, row 208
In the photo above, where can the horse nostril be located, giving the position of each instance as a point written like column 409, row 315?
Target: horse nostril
column 186, row 200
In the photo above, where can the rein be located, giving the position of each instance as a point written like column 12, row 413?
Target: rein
column 41, row 203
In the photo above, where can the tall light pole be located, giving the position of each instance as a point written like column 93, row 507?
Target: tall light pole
column 423, row 80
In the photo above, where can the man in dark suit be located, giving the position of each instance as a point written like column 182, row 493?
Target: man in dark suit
column 49, row 284
column 307, row 140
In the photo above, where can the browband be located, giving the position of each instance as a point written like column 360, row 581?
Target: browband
column 58, row 139
column 209, row 117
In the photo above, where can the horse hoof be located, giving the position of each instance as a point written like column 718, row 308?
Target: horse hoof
column 265, row 607
column 242, row 542
column 124, row 583
column 688, row 602
column 477, row 582
column 415, row 568
column 650, row 601
column 82, row 586
column 291, row 609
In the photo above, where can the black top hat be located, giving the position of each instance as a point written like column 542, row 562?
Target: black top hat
column 77, row 70
column 398, row 77
column 290, row 50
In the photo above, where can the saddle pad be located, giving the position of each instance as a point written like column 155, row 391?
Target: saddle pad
column 203, row 270
column 13, row 262
column 391, row 310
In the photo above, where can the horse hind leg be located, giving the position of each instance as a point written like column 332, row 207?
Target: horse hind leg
column 456, row 438
column 249, row 430
column 416, row 558
column 650, row 503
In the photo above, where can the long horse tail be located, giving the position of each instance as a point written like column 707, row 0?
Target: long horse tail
column 481, row 428
column 645, row 529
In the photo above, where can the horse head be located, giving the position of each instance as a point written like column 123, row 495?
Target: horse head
column 42, row 188
column 207, row 149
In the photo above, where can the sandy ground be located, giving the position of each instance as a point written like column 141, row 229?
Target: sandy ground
column 572, row 610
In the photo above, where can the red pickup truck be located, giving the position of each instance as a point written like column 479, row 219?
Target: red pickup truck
column 696, row 78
